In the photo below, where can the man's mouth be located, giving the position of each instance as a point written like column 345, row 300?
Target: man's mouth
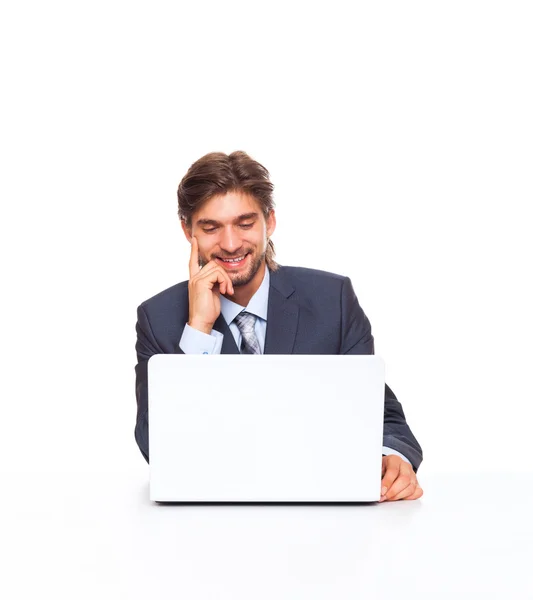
column 233, row 262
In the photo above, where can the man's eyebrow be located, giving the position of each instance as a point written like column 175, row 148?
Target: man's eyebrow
column 246, row 216
column 213, row 223
column 207, row 222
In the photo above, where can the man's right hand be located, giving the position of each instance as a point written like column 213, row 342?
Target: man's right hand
column 205, row 286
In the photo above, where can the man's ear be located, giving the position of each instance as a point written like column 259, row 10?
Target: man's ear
column 187, row 231
column 271, row 223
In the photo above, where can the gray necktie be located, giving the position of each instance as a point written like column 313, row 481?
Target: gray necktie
column 249, row 342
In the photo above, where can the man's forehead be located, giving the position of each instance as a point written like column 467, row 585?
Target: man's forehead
column 227, row 207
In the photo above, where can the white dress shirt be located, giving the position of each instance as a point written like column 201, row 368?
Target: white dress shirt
column 194, row 341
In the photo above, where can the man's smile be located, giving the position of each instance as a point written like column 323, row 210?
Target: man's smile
column 233, row 263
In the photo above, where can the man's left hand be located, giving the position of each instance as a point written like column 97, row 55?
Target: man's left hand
column 399, row 479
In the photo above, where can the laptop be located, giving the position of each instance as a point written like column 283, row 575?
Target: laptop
column 265, row 428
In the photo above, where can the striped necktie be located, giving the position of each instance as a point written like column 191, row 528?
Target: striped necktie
column 249, row 342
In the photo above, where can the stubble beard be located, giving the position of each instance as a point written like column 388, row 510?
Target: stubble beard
column 240, row 279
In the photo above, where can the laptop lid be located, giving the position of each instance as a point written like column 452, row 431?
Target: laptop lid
column 265, row 428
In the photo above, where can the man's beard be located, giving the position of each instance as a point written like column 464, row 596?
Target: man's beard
column 240, row 279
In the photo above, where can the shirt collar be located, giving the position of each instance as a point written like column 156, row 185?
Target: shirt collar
column 258, row 304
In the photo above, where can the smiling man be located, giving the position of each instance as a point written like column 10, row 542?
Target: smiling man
column 238, row 299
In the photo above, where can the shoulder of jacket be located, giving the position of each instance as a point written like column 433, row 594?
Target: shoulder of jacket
column 172, row 295
column 304, row 273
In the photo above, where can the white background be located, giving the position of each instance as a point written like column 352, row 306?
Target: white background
column 398, row 136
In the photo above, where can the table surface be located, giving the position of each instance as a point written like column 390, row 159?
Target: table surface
column 97, row 535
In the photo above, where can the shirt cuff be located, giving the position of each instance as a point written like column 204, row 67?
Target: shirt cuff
column 386, row 451
column 194, row 341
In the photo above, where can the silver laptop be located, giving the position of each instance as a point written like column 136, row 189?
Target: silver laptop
column 265, row 428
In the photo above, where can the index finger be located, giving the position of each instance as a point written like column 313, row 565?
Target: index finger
column 194, row 267
column 391, row 474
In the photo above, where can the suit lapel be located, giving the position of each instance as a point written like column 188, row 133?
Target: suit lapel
column 228, row 343
column 282, row 315
column 282, row 319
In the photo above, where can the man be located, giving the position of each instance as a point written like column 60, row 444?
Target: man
column 239, row 299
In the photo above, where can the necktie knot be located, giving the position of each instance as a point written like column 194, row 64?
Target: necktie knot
column 246, row 323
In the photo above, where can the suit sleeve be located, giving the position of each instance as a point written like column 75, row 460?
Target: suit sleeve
column 357, row 339
column 145, row 347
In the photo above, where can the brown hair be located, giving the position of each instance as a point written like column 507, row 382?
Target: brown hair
column 218, row 173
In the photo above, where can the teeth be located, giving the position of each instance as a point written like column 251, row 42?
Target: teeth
column 233, row 260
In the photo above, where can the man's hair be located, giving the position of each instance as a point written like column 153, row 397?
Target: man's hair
column 216, row 174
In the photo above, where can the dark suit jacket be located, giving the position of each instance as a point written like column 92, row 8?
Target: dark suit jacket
column 309, row 312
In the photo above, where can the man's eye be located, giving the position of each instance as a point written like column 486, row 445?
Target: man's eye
column 210, row 230
column 246, row 225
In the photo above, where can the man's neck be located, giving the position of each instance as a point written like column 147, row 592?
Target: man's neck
column 243, row 294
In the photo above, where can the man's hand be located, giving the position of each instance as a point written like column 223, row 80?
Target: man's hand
column 205, row 286
column 398, row 479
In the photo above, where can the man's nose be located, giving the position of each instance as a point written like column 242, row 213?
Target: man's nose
column 230, row 240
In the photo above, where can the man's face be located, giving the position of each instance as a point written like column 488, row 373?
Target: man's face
column 232, row 231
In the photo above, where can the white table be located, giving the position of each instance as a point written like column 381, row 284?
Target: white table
column 97, row 536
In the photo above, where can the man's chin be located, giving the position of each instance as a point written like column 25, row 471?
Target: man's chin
column 241, row 279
